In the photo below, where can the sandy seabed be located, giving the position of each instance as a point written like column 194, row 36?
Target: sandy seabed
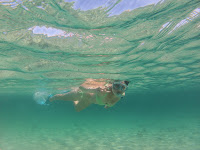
column 135, row 134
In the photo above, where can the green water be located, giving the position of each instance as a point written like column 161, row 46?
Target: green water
column 141, row 122
column 155, row 47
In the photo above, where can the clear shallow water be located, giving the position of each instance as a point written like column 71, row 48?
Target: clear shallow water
column 53, row 46
column 143, row 122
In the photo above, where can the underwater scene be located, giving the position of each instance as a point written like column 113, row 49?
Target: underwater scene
column 99, row 75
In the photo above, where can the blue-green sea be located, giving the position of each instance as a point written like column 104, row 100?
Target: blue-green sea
column 53, row 46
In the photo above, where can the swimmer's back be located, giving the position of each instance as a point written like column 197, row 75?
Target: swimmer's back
column 94, row 84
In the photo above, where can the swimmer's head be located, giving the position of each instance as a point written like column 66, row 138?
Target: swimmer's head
column 119, row 88
column 126, row 82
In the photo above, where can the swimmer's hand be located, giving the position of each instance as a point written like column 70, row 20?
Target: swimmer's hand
column 106, row 107
column 76, row 102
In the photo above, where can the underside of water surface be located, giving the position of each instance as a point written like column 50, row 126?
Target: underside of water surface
column 156, row 47
column 55, row 45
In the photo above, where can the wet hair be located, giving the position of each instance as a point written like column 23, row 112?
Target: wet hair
column 126, row 82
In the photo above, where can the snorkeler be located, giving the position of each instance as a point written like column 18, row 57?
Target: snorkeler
column 94, row 91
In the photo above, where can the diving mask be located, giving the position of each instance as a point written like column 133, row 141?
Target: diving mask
column 119, row 89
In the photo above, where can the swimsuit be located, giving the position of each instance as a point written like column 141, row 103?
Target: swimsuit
column 100, row 98
column 100, row 102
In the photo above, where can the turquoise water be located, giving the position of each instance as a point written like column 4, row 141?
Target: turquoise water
column 142, row 122
column 53, row 46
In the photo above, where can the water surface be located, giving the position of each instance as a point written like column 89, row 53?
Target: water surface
column 55, row 45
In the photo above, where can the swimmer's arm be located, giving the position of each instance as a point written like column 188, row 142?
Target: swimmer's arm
column 84, row 103
column 71, row 96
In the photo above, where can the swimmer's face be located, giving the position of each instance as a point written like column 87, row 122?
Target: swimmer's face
column 119, row 88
